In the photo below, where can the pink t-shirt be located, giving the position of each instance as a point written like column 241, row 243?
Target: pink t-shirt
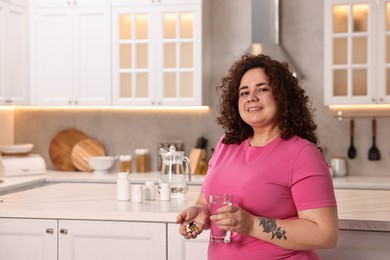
column 272, row 181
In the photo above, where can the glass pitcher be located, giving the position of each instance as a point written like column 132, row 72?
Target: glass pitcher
column 173, row 171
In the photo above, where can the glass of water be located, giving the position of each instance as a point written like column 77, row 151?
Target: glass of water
column 217, row 201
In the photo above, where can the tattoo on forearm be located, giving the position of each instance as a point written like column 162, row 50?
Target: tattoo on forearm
column 269, row 226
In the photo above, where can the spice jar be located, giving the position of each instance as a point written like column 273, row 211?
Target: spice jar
column 142, row 160
column 125, row 163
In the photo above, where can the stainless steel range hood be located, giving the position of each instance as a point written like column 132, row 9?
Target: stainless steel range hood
column 265, row 33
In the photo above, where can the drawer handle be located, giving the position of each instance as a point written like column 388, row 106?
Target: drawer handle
column 49, row 231
column 63, row 231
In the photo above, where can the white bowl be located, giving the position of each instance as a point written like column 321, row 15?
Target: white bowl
column 16, row 149
column 101, row 164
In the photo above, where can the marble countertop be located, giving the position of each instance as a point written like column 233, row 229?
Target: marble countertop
column 18, row 183
column 363, row 209
column 89, row 201
column 362, row 182
column 358, row 209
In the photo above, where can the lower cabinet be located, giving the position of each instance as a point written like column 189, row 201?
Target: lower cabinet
column 32, row 239
column 352, row 244
column 37, row 239
column 186, row 249
column 49, row 239
column 359, row 245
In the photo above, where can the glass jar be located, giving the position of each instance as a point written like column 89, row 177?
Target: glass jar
column 125, row 163
column 142, row 160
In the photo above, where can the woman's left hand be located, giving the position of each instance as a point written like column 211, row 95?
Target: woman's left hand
column 235, row 219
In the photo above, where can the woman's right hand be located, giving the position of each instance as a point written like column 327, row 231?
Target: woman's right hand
column 199, row 213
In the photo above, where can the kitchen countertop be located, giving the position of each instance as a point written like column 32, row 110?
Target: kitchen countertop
column 358, row 209
column 17, row 183
column 362, row 182
column 363, row 209
column 89, row 201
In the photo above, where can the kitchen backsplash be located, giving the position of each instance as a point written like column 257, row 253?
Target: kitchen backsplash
column 6, row 126
column 302, row 36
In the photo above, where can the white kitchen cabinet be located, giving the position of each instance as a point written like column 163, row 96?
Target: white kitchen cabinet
column 188, row 249
column 71, row 56
column 71, row 3
column 37, row 239
column 157, row 52
column 14, row 85
column 33, row 239
column 359, row 245
column 357, row 52
column 102, row 240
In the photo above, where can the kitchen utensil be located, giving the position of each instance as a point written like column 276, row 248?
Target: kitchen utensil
column 101, row 164
column 60, row 149
column 352, row 149
column 178, row 144
column 196, row 157
column 174, row 164
column 338, row 166
column 16, row 149
column 373, row 153
column 84, row 149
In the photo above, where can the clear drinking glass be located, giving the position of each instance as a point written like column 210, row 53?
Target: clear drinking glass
column 217, row 201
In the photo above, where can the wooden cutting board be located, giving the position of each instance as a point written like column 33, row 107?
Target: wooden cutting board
column 84, row 149
column 61, row 146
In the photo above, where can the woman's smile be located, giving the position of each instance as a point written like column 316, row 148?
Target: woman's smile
column 254, row 109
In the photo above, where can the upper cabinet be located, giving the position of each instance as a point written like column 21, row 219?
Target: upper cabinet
column 63, row 3
column 14, row 78
column 357, row 52
column 157, row 52
column 71, row 52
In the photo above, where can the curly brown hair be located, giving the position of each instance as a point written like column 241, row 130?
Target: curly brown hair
column 295, row 115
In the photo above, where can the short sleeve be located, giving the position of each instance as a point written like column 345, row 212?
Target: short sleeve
column 312, row 185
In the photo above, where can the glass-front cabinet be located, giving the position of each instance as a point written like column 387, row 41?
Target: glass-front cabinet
column 157, row 53
column 357, row 52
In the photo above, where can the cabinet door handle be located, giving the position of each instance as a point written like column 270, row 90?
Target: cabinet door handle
column 49, row 231
column 63, row 231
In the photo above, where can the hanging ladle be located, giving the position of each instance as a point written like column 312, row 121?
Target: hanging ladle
column 373, row 153
column 352, row 150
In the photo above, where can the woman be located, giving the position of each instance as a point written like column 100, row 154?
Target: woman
column 283, row 199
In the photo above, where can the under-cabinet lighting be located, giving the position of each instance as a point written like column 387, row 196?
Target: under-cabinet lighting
column 360, row 107
column 119, row 108
column 360, row 111
column 6, row 108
